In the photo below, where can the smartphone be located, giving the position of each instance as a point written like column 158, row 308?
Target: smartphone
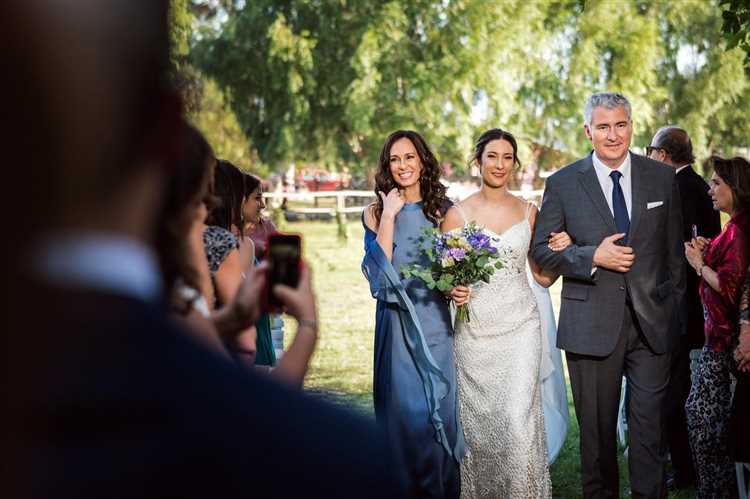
column 284, row 259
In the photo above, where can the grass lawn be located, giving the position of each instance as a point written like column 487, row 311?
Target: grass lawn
column 342, row 365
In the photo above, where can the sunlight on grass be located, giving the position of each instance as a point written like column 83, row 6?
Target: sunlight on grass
column 341, row 369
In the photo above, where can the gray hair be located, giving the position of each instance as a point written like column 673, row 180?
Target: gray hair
column 609, row 100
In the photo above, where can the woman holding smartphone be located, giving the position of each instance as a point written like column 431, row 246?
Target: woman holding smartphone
column 415, row 377
column 231, row 256
column 721, row 265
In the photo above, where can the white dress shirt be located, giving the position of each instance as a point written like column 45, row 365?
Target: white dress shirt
column 605, row 181
column 678, row 170
column 102, row 262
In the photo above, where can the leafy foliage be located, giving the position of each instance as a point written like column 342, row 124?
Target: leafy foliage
column 219, row 124
column 205, row 103
column 326, row 81
column 736, row 26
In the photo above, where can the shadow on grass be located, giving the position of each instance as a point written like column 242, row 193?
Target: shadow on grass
column 341, row 371
column 358, row 402
column 564, row 472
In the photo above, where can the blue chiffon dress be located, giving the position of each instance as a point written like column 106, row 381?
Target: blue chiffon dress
column 415, row 377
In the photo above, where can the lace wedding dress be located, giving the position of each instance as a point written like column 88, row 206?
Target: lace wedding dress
column 498, row 357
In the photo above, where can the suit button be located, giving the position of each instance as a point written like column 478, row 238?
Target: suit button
column 622, row 288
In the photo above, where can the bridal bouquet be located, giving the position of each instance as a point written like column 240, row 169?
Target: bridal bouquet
column 461, row 257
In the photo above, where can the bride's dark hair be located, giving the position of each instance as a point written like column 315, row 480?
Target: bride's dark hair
column 489, row 136
column 434, row 198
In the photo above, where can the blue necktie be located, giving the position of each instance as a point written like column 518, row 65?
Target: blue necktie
column 619, row 208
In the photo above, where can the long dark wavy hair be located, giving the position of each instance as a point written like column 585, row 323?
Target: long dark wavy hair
column 192, row 167
column 434, row 198
column 489, row 136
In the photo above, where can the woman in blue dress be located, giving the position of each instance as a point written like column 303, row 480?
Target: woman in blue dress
column 415, row 376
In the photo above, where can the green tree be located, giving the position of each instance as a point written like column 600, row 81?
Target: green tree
column 222, row 130
column 205, row 103
column 285, row 67
column 668, row 58
column 736, row 26
column 326, row 81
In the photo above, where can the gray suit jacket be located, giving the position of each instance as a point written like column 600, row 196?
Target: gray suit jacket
column 592, row 306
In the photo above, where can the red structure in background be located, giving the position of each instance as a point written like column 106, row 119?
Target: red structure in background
column 319, row 180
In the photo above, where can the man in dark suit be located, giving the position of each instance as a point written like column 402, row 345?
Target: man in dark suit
column 672, row 146
column 622, row 280
column 108, row 397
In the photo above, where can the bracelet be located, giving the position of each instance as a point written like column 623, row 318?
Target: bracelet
column 700, row 270
column 312, row 324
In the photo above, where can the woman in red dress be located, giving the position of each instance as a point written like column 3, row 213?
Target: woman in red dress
column 722, row 265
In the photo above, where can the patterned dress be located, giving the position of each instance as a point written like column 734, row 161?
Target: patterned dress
column 218, row 243
column 498, row 357
column 709, row 404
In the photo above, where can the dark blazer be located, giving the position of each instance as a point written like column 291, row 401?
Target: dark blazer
column 120, row 402
column 592, row 306
column 697, row 210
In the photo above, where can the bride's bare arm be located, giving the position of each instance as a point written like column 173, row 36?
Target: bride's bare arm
column 543, row 277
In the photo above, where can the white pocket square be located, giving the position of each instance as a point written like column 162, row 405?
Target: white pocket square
column 654, row 204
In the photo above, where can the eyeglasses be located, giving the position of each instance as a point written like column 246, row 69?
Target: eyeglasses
column 650, row 149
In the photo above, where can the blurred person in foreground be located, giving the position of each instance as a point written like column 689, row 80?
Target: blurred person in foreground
column 672, row 146
column 110, row 398
column 722, row 266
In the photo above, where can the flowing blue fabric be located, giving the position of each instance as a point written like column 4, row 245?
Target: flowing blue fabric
column 414, row 378
column 554, row 390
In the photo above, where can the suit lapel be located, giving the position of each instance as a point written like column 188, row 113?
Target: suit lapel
column 588, row 179
column 638, row 201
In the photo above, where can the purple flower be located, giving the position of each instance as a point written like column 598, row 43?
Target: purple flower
column 479, row 240
column 457, row 254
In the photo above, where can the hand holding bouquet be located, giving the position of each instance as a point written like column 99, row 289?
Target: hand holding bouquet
column 461, row 257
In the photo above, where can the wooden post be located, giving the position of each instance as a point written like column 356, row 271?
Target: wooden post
column 278, row 218
column 343, row 233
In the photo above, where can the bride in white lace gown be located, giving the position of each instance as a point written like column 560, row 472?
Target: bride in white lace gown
column 499, row 350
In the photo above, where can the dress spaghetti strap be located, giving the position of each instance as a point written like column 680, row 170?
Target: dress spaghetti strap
column 461, row 212
column 529, row 204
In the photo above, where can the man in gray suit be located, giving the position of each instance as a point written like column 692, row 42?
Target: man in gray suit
column 622, row 280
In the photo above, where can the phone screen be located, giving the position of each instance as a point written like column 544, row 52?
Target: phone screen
column 284, row 254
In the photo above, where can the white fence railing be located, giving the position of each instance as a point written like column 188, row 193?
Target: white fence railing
column 341, row 208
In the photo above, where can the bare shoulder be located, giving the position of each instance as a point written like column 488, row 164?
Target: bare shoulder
column 521, row 205
column 369, row 217
column 453, row 219
column 470, row 201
